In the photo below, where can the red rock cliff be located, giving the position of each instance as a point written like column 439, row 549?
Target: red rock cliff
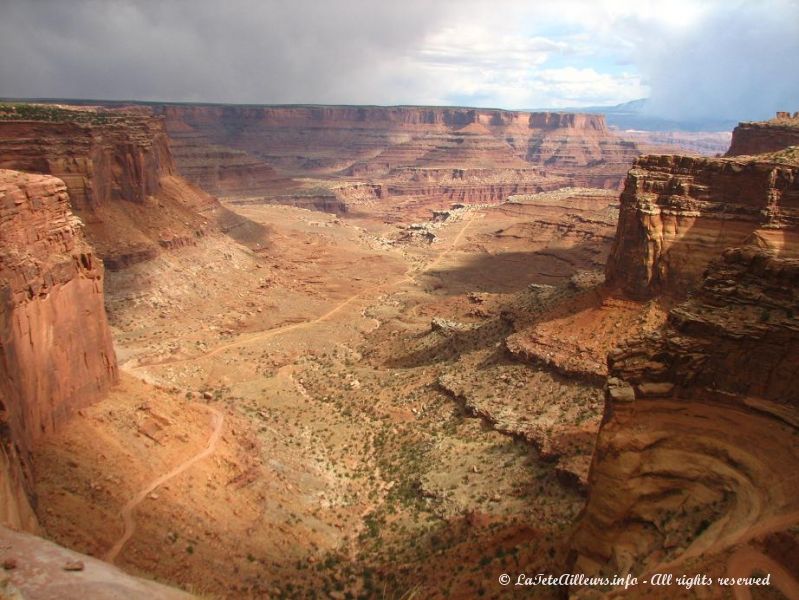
column 694, row 457
column 123, row 158
column 55, row 343
column 765, row 136
column 120, row 175
column 702, row 417
column 678, row 213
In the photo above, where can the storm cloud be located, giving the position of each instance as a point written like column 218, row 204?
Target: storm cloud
column 702, row 58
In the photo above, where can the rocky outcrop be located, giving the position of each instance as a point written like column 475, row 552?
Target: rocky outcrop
column 45, row 571
column 55, row 343
column 120, row 175
column 700, row 425
column 765, row 136
column 678, row 213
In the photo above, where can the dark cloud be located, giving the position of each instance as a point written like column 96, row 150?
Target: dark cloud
column 737, row 62
column 234, row 51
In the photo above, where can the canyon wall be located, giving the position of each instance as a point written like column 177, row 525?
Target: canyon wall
column 113, row 158
column 395, row 143
column 701, row 422
column 678, row 213
column 701, row 417
column 57, row 354
column 765, row 136
column 121, row 178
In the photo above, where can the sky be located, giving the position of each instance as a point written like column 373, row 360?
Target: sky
column 725, row 59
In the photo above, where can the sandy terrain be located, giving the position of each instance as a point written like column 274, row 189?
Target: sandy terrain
column 283, row 428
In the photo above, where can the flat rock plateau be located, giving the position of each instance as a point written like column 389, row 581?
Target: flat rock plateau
column 392, row 352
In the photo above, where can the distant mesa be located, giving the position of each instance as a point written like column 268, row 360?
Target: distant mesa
column 766, row 136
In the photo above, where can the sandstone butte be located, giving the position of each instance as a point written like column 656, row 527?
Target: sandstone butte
column 700, row 418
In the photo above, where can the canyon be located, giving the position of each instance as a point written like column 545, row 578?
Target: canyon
column 408, row 349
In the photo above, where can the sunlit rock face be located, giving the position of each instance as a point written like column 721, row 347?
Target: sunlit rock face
column 678, row 213
column 55, row 340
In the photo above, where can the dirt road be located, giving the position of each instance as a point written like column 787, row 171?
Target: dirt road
column 218, row 420
column 268, row 333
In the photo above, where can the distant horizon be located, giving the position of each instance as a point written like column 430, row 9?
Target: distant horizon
column 709, row 60
column 620, row 120
column 52, row 99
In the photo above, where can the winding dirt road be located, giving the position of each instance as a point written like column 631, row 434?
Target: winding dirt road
column 217, row 420
column 268, row 333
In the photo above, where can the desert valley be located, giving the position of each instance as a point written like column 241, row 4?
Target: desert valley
column 393, row 352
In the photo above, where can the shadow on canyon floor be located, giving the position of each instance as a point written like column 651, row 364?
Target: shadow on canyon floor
column 508, row 272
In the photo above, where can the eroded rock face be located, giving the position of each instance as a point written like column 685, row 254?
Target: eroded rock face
column 765, row 136
column 678, row 213
column 701, row 422
column 115, row 158
column 55, row 341
column 389, row 141
column 121, row 178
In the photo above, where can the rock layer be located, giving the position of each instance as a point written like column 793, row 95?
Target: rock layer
column 700, row 424
column 765, row 136
column 56, row 345
column 120, row 175
column 678, row 213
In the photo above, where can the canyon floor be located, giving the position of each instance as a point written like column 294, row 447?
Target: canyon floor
column 303, row 421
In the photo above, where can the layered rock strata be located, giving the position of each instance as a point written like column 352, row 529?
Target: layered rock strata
column 57, row 354
column 121, row 178
column 398, row 144
column 701, row 422
column 678, row 213
column 221, row 170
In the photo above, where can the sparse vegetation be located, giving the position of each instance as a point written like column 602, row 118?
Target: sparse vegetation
column 54, row 113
